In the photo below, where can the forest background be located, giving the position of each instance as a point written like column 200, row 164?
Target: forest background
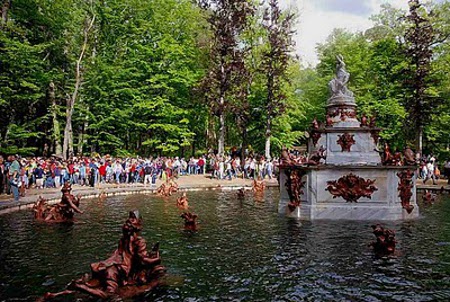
column 136, row 77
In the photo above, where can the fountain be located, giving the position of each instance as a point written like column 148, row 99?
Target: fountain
column 345, row 177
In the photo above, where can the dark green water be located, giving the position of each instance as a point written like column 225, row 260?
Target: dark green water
column 244, row 251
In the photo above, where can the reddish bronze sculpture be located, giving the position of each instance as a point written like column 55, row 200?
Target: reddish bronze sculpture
column 294, row 186
column 130, row 271
column 329, row 121
column 61, row 212
column 385, row 244
column 315, row 124
column 346, row 141
column 387, row 158
column 409, row 158
column 182, row 201
column 364, row 121
column 429, row 197
column 190, row 221
column 240, row 193
column 316, row 156
column 351, row 187
column 258, row 185
column 405, row 189
column 315, row 135
column 167, row 188
column 285, row 158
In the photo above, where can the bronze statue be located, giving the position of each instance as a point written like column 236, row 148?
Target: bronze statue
column 364, row 121
column 240, row 192
column 409, row 158
column 315, row 124
column 385, row 244
column 294, row 186
column 329, row 121
column 405, row 188
column 61, row 212
column 167, row 188
column 130, row 271
column 190, row 221
column 316, row 156
column 258, row 185
column 429, row 197
column 182, row 201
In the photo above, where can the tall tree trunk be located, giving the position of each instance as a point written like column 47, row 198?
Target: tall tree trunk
column 419, row 139
column 68, row 133
column 268, row 136
column 221, row 140
column 5, row 8
column 211, row 138
column 81, row 136
column 56, row 127
column 244, row 145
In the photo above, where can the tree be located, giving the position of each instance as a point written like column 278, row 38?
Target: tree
column 227, row 19
column 419, row 38
column 275, row 63
column 70, row 100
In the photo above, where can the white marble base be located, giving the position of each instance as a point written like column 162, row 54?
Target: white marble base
column 318, row 203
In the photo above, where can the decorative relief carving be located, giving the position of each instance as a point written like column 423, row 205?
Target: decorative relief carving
column 344, row 113
column 346, row 141
column 315, row 137
column 405, row 187
column 294, row 186
column 351, row 187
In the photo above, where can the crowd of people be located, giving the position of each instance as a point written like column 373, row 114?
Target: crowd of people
column 19, row 174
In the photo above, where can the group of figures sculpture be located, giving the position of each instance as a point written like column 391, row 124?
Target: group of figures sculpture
column 130, row 271
column 61, row 212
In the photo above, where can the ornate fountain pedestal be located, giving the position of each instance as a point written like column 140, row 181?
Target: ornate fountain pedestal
column 345, row 177
column 372, row 192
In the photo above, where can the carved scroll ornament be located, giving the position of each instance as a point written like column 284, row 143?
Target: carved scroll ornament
column 346, row 141
column 351, row 187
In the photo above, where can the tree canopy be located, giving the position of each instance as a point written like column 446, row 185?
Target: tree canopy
column 147, row 76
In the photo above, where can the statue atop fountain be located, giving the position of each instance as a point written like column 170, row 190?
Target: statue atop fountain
column 130, row 271
column 338, row 85
column 346, row 177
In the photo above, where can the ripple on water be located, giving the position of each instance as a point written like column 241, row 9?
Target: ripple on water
column 244, row 251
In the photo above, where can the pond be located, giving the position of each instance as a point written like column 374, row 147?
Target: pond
column 243, row 251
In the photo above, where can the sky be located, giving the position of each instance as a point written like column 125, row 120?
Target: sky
column 318, row 18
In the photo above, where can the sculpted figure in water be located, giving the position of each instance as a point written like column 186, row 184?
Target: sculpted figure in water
column 60, row 212
column 130, row 271
column 182, row 201
column 167, row 188
column 190, row 221
column 258, row 185
column 385, row 243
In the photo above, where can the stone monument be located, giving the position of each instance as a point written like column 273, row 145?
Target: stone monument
column 345, row 177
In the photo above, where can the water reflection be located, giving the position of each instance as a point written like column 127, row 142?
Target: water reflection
column 244, row 251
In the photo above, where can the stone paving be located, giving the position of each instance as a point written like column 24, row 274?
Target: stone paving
column 191, row 182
